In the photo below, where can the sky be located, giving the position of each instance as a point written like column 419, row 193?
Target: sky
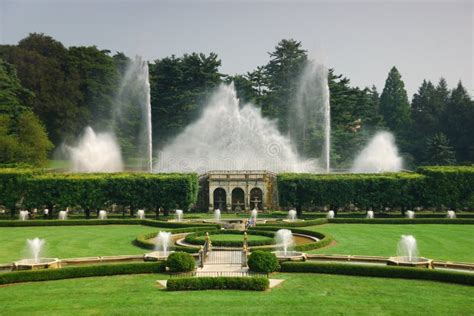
column 361, row 40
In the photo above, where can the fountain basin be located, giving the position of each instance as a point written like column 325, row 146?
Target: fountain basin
column 157, row 255
column 290, row 255
column 292, row 220
column 403, row 261
column 42, row 263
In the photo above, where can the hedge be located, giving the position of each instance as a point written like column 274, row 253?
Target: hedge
column 218, row 283
column 12, row 185
column 193, row 238
column 379, row 271
column 263, row 261
column 401, row 221
column 430, row 187
column 81, row 272
column 180, row 262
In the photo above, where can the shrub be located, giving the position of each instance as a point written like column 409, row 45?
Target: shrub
column 180, row 262
column 218, row 283
column 379, row 271
column 263, row 261
column 80, row 272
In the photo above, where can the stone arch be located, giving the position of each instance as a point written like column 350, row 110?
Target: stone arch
column 220, row 199
column 238, row 199
column 256, row 197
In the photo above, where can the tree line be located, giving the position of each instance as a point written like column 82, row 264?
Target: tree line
column 49, row 93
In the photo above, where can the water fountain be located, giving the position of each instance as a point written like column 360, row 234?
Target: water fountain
column 62, row 215
column 162, row 242
column 35, row 247
column 330, row 214
column 254, row 214
column 141, row 214
column 217, row 215
column 410, row 214
column 239, row 138
column 380, row 155
column 292, row 215
column 370, row 214
column 23, row 216
column 102, row 214
column 284, row 239
column 451, row 214
column 178, row 215
column 407, row 254
column 311, row 113
column 95, row 152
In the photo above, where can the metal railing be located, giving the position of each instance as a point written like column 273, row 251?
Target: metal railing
column 219, row 274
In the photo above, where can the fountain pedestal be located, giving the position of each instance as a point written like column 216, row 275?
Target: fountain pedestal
column 42, row 263
column 402, row 261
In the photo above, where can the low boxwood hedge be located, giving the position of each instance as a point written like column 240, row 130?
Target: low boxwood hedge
column 401, row 221
column 81, row 272
column 118, row 221
column 263, row 261
column 218, row 283
column 379, row 271
column 193, row 238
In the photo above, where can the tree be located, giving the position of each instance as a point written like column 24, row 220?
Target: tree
column 438, row 151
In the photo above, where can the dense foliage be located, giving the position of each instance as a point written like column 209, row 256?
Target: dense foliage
column 263, row 261
column 194, row 238
column 218, row 283
column 70, row 88
column 180, row 262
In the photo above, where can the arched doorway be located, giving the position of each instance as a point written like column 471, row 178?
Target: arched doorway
column 238, row 199
column 220, row 199
column 256, row 199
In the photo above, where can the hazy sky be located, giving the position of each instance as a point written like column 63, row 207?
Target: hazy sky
column 361, row 40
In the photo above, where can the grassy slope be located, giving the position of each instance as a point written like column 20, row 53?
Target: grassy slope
column 72, row 241
column 300, row 294
column 442, row 242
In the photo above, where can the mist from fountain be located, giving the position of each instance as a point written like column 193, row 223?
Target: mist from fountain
column 217, row 215
column 370, row 214
column 102, row 214
column 284, row 237
column 24, row 215
column 312, row 110
column 163, row 240
column 254, row 214
column 35, row 247
column 330, row 214
column 178, row 215
column 292, row 215
column 410, row 214
column 228, row 136
column 95, row 152
column 141, row 214
column 380, row 155
column 451, row 214
column 62, row 215
column 407, row 248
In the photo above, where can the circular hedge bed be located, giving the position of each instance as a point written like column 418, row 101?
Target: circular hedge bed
column 232, row 238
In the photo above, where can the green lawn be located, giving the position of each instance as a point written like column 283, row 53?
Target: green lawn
column 235, row 237
column 300, row 294
column 72, row 241
column 442, row 242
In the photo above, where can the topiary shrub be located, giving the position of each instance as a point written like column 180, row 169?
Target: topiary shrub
column 218, row 283
column 180, row 262
column 263, row 261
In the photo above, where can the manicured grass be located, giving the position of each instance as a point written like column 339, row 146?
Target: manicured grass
column 441, row 242
column 72, row 241
column 235, row 237
column 300, row 294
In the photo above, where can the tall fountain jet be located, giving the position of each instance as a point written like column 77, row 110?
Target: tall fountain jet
column 312, row 110
column 135, row 89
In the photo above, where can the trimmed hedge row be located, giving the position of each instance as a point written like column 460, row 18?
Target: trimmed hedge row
column 430, row 187
column 193, row 238
column 311, row 222
column 379, row 271
column 80, row 222
column 324, row 240
column 401, row 221
column 218, row 283
column 81, row 272
column 39, row 189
